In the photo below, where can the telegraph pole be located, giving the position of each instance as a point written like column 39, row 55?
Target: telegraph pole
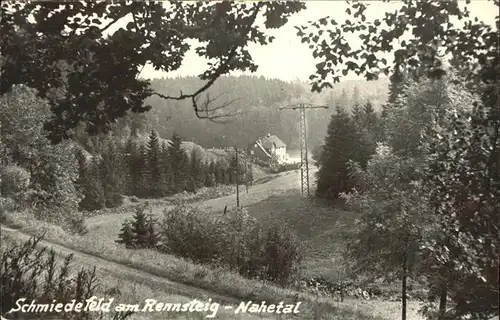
column 304, row 159
column 237, row 176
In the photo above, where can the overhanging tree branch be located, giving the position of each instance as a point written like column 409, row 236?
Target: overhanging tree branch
column 222, row 69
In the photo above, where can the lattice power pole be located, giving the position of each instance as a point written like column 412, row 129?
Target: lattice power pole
column 304, row 158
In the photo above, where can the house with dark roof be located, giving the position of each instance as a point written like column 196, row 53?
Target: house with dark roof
column 268, row 146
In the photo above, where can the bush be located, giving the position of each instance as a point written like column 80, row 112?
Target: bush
column 13, row 180
column 282, row 254
column 193, row 235
column 33, row 273
column 237, row 242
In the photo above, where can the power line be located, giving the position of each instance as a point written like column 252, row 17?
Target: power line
column 304, row 160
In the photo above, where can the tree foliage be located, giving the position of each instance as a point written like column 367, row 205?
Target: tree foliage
column 52, row 168
column 466, row 191
column 90, row 74
column 461, row 145
column 345, row 141
column 431, row 31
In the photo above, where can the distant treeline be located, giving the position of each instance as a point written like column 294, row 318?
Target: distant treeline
column 256, row 99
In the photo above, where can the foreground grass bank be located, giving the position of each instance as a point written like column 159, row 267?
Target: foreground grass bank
column 212, row 279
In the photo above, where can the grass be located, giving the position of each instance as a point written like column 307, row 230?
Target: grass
column 217, row 280
column 321, row 227
column 130, row 292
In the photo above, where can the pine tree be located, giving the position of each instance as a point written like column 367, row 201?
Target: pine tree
column 167, row 171
column 112, row 175
column 179, row 164
column 196, row 171
column 342, row 144
column 130, row 174
column 398, row 80
column 154, row 163
column 143, row 176
column 356, row 97
column 126, row 235
column 357, row 114
column 140, row 228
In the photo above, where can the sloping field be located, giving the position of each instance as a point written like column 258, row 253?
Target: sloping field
column 108, row 226
column 135, row 286
column 277, row 200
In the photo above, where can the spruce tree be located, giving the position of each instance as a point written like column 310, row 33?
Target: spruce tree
column 342, row 145
column 398, row 80
column 178, row 164
column 357, row 113
column 140, row 228
column 196, row 170
column 167, row 171
column 143, row 176
column 126, row 235
column 112, row 175
column 130, row 174
column 154, row 164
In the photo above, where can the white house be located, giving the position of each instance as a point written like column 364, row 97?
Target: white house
column 267, row 147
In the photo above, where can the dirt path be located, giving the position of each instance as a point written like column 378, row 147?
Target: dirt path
column 179, row 292
column 106, row 227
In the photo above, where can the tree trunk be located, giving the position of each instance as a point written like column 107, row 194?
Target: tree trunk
column 442, row 301
column 403, row 285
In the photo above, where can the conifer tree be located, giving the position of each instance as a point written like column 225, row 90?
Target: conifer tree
column 155, row 169
column 178, row 164
column 398, row 80
column 196, row 169
column 342, row 144
column 112, row 175
column 166, row 167
column 130, row 174
column 140, row 228
column 126, row 235
column 357, row 114
column 355, row 100
column 143, row 176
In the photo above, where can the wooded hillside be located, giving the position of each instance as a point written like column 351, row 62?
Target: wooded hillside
column 256, row 101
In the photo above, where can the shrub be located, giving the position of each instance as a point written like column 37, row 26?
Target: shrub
column 237, row 242
column 33, row 273
column 282, row 254
column 13, row 180
column 193, row 235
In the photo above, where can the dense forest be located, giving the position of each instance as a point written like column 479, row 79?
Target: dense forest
column 255, row 101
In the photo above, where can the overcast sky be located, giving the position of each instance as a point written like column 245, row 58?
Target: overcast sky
column 289, row 59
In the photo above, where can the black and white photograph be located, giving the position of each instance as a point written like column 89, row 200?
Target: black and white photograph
column 279, row 160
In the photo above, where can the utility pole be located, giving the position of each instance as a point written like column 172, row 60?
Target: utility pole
column 237, row 176
column 246, row 170
column 304, row 158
